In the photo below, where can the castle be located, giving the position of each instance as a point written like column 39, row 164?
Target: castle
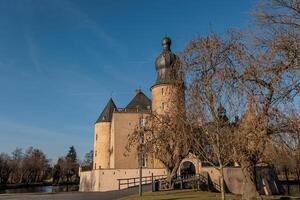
column 114, row 124
column 111, row 163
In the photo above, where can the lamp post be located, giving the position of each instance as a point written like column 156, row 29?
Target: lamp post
column 141, row 163
column 141, row 153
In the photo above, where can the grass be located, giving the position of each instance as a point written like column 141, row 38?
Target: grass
column 181, row 194
column 192, row 194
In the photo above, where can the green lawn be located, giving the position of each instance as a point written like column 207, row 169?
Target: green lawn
column 191, row 194
column 181, row 194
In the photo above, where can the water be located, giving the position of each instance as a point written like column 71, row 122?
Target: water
column 30, row 189
column 41, row 189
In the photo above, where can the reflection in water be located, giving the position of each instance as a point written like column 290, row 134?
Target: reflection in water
column 41, row 189
column 44, row 189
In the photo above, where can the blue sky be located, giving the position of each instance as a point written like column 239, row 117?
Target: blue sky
column 61, row 60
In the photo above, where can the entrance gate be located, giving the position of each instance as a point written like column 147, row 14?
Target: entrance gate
column 187, row 168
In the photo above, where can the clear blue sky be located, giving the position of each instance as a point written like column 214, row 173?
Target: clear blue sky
column 61, row 60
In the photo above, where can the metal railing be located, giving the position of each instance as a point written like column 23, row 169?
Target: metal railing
column 195, row 182
column 132, row 182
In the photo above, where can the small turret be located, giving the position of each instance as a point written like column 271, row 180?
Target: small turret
column 102, row 136
column 106, row 115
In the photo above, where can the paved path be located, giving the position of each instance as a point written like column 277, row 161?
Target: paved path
column 75, row 195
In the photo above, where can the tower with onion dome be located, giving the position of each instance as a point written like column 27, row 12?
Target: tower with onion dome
column 168, row 88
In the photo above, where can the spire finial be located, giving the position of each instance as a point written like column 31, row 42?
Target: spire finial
column 166, row 43
column 137, row 91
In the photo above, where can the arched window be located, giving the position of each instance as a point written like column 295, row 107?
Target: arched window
column 163, row 106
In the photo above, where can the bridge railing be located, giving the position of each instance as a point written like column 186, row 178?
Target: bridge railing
column 135, row 181
column 195, row 181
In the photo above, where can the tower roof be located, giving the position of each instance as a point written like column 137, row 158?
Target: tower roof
column 164, row 63
column 139, row 101
column 166, row 58
column 106, row 115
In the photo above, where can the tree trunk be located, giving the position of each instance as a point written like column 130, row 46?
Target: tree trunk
column 222, row 182
column 249, row 189
column 286, row 173
column 172, row 175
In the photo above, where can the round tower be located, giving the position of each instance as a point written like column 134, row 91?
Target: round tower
column 168, row 88
column 102, row 136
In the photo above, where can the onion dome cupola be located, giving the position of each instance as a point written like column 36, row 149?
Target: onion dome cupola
column 106, row 115
column 164, row 63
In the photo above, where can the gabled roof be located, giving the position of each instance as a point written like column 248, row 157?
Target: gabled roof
column 106, row 115
column 140, row 101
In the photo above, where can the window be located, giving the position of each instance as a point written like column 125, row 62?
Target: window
column 163, row 106
column 95, row 153
column 96, row 137
column 95, row 165
column 163, row 91
column 145, row 161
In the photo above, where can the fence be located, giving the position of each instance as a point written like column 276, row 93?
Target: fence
column 132, row 182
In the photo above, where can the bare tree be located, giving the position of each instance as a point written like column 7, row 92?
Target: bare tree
column 35, row 166
column 206, row 61
column 87, row 163
column 17, row 158
column 67, row 168
column 278, row 13
column 5, row 168
column 167, row 135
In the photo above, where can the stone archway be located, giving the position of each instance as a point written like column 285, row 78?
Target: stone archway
column 187, row 168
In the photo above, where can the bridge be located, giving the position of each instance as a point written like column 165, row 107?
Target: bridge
column 160, row 183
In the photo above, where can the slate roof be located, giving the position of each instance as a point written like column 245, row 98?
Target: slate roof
column 106, row 115
column 140, row 101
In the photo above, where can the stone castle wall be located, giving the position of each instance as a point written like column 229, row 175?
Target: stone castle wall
column 123, row 124
column 107, row 179
column 164, row 97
